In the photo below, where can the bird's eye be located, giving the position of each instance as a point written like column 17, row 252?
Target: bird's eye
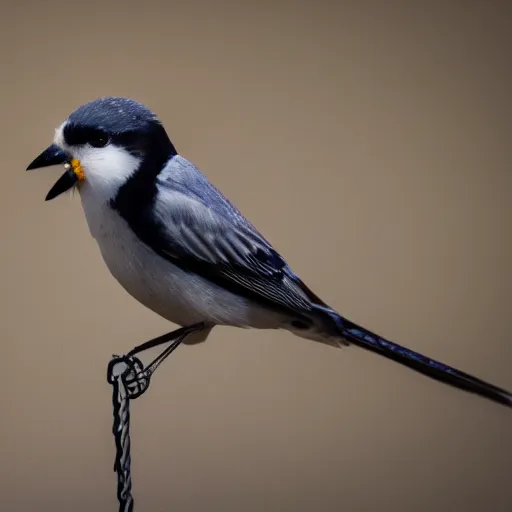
column 99, row 141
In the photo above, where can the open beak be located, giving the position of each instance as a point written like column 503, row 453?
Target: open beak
column 53, row 155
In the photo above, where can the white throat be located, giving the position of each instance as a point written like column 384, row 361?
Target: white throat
column 106, row 169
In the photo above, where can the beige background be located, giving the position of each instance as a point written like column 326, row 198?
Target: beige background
column 371, row 144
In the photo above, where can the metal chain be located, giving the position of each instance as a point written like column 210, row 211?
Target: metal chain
column 129, row 380
column 122, row 369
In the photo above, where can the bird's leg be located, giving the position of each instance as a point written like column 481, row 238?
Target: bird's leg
column 138, row 375
column 176, row 336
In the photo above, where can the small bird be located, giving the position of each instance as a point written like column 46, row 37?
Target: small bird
column 179, row 247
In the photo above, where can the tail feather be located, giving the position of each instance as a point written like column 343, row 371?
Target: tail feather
column 363, row 338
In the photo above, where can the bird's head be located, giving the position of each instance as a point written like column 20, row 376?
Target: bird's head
column 104, row 143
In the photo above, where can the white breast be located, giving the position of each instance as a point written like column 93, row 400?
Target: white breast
column 176, row 295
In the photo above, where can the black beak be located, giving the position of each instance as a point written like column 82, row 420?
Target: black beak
column 54, row 155
column 65, row 182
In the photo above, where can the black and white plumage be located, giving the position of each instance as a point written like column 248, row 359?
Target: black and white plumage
column 179, row 247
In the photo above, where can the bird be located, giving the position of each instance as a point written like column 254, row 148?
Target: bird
column 178, row 246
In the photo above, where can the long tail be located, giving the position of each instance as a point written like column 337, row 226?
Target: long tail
column 363, row 338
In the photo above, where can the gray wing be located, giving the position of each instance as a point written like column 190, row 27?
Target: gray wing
column 196, row 227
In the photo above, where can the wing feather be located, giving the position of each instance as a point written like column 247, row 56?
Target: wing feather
column 189, row 222
column 232, row 254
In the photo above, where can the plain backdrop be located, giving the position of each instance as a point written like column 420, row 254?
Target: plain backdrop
column 370, row 143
